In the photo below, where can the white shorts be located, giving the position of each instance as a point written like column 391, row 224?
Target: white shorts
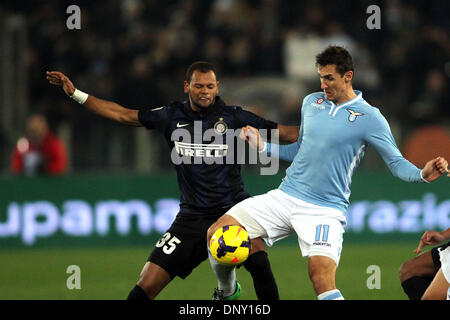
column 275, row 215
column 444, row 256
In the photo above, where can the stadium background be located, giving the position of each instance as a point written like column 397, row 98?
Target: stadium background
column 120, row 193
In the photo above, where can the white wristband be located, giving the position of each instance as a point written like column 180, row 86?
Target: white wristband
column 423, row 179
column 79, row 96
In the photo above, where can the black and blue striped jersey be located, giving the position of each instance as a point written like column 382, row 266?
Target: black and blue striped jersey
column 204, row 152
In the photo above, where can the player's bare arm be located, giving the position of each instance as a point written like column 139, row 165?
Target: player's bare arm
column 104, row 108
column 435, row 168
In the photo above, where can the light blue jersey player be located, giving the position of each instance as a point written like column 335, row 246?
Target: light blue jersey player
column 332, row 141
column 337, row 125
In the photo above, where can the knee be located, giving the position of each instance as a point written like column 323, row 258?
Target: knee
column 405, row 271
column 210, row 232
column 222, row 221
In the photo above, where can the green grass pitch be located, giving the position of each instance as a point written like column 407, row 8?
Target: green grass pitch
column 110, row 273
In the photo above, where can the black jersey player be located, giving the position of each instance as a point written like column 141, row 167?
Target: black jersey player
column 207, row 188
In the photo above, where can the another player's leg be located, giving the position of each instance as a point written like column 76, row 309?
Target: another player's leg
column 152, row 280
column 438, row 288
column 179, row 251
column 258, row 266
column 417, row 273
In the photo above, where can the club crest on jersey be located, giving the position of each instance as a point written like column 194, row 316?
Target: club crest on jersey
column 353, row 115
column 318, row 104
column 220, row 127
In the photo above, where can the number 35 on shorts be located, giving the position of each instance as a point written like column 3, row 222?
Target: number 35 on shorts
column 168, row 242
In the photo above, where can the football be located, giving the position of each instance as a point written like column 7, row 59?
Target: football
column 230, row 245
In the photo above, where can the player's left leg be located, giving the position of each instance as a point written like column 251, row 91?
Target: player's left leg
column 320, row 235
column 258, row 265
column 322, row 272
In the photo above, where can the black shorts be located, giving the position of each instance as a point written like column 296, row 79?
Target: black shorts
column 436, row 257
column 183, row 247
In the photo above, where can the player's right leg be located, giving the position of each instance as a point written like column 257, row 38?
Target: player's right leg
column 179, row 251
column 257, row 264
column 228, row 288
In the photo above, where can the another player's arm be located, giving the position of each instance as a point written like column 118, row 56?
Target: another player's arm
column 431, row 237
column 104, row 108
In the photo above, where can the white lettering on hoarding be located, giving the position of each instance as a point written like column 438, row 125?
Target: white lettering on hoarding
column 42, row 219
column 30, row 221
column 404, row 216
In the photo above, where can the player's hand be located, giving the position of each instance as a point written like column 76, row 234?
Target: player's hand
column 429, row 238
column 435, row 168
column 253, row 137
column 59, row 79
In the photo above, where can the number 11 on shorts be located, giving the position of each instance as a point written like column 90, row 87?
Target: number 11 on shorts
column 319, row 228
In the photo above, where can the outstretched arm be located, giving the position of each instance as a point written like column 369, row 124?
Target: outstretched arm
column 104, row 108
column 379, row 135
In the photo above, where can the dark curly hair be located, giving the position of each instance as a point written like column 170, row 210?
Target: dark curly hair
column 201, row 66
column 338, row 56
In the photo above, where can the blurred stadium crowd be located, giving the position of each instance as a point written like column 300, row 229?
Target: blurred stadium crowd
column 136, row 53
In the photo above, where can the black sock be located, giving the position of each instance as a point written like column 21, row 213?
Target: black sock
column 137, row 293
column 259, row 267
column 415, row 287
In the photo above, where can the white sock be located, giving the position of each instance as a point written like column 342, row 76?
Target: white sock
column 331, row 295
column 226, row 276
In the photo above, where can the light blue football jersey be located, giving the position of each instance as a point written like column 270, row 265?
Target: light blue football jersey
column 331, row 143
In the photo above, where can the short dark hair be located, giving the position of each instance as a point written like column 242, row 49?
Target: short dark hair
column 338, row 56
column 201, row 66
